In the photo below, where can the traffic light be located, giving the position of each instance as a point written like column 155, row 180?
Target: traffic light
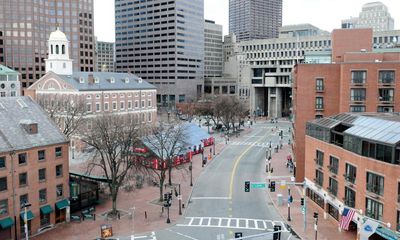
column 247, row 186
column 315, row 215
column 302, row 201
column 277, row 233
column 272, row 188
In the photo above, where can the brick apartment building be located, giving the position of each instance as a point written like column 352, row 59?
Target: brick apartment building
column 359, row 79
column 33, row 169
column 353, row 160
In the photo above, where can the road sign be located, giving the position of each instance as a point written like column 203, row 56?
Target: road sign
column 302, row 210
column 283, row 184
column 258, row 185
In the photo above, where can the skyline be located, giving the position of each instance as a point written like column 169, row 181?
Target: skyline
column 311, row 13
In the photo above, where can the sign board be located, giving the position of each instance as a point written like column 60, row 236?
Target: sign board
column 238, row 234
column 106, row 230
column 283, row 184
column 179, row 197
column 258, row 185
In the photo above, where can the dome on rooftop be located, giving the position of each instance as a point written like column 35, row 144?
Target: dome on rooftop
column 57, row 35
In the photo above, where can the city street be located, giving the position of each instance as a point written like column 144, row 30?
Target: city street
column 219, row 207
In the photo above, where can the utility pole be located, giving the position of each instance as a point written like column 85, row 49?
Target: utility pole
column 288, row 205
column 191, row 167
column 316, row 225
column 25, row 206
column 180, row 200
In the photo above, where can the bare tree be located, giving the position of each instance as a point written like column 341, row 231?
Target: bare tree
column 167, row 142
column 68, row 113
column 113, row 137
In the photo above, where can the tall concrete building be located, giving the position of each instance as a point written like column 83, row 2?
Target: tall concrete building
column 373, row 15
column 162, row 41
column 105, row 53
column 255, row 19
column 212, row 49
column 26, row 25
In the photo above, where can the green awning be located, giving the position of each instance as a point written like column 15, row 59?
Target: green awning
column 62, row 204
column 29, row 215
column 46, row 209
column 6, row 222
column 386, row 233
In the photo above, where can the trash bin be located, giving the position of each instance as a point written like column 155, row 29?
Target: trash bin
column 280, row 199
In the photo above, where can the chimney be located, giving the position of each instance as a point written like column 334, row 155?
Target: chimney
column 90, row 79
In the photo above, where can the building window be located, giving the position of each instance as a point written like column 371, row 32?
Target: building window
column 181, row 98
column 129, row 104
column 319, row 103
column 351, row 173
column 23, row 179
column 42, row 196
column 22, row 158
column 23, row 199
column 398, row 221
column 349, row 197
column 319, row 157
column 114, row 104
column 97, row 107
column 58, row 151
column 319, row 178
column 3, row 184
column 333, row 186
column 122, row 105
column 357, row 94
column 59, row 170
column 2, row 162
column 106, row 106
column 89, row 107
column 373, row 209
column 319, row 84
column 358, row 77
column 44, row 219
column 59, row 191
column 386, row 77
column 375, row 183
column 333, row 164
column 136, row 104
column 42, row 174
column 3, row 206
column 41, row 155
column 386, row 94
column 357, row 108
column 385, row 109
column 143, row 104
column 149, row 117
column 149, row 103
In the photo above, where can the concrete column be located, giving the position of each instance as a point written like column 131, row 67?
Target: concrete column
column 278, row 101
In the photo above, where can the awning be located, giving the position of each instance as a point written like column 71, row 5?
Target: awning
column 62, row 204
column 46, row 209
column 386, row 233
column 29, row 215
column 6, row 222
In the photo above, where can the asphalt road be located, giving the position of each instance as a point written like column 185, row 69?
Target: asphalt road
column 218, row 206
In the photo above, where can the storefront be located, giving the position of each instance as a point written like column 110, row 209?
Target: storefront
column 45, row 213
column 315, row 198
column 6, row 228
column 333, row 211
column 29, row 217
column 61, row 210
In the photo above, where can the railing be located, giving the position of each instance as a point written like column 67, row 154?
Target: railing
column 350, row 203
column 386, row 98
column 349, row 178
column 319, row 162
column 320, row 89
column 358, row 98
column 374, row 189
column 358, row 80
column 386, row 80
column 333, row 169
column 333, row 191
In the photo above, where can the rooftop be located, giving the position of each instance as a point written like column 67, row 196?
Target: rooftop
column 7, row 71
column 18, row 111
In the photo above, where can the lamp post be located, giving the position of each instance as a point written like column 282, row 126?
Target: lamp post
column 133, row 221
column 214, row 147
column 191, row 167
column 25, row 206
column 180, row 200
column 288, row 205
column 270, row 149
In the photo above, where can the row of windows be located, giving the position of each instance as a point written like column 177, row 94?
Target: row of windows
column 293, row 45
column 115, row 106
column 23, row 157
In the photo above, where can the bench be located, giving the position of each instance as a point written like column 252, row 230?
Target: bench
column 76, row 218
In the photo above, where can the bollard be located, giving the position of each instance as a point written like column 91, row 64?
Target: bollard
column 145, row 214
column 183, row 205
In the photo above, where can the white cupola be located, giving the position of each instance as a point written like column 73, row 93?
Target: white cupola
column 58, row 49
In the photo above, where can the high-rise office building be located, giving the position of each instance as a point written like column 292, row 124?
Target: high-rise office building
column 25, row 27
column 255, row 19
column 105, row 56
column 162, row 41
column 212, row 49
column 373, row 15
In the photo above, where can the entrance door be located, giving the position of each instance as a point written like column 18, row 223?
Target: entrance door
column 60, row 215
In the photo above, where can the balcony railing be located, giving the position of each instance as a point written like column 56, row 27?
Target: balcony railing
column 349, row 178
column 386, row 98
column 387, row 80
column 333, row 191
column 358, row 80
column 333, row 169
column 358, row 98
column 350, row 202
column 374, row 189
column 320, row 89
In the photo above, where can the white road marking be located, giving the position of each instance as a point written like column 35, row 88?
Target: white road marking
column 211, row 198
column 183, row 235
column 237, row 223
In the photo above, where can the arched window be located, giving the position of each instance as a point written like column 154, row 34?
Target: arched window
column 51, row 48
column 57, row 49
column 63, row 49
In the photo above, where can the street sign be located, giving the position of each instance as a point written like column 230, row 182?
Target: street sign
column 283, row 184
column 302, row 210
column 258, row 185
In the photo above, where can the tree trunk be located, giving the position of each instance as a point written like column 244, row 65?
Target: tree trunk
column 161, row 189
column 114, row 194
column 169, row 174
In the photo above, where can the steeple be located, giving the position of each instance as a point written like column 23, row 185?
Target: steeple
column 58, row 49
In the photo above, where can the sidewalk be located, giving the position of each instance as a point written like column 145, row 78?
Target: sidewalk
column 141, row 200
column 327, row 228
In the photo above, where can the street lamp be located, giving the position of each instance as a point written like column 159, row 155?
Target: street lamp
column 288, row 205
column 180, row 200
column 133, row 220
column 191, row 167
column 25, row 206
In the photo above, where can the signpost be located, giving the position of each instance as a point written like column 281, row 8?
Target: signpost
column 259, row 185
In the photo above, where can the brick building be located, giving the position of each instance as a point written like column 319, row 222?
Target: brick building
column 359, row 79
column 33, row 169
column 353, row 160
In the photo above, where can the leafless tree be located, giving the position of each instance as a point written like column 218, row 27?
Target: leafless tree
column 113, row 137
column 67, row 112
column 167, row 142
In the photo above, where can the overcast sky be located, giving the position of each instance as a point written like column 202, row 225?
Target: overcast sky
column 325, row 14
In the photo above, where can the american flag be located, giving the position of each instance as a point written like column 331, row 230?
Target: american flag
column 347, row 217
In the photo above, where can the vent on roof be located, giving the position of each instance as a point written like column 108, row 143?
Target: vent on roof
column 112, row 80
column 81, row 80
column 29, row 126
column 21, row 103
column 140, row 80
column 96, row 80
column 126, row 80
